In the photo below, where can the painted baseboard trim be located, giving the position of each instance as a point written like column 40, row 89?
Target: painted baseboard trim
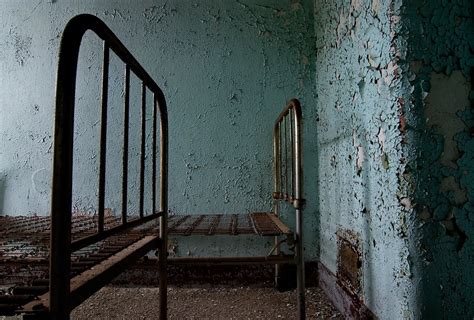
column 351, row 307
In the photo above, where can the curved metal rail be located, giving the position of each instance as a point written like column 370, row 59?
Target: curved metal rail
column 61, row 245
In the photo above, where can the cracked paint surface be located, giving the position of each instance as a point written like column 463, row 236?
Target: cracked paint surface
column 395, row 97
column 227, row 69
column 360, row 148
column 438, row 69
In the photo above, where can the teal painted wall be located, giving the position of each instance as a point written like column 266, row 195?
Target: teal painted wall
column 226, row 68
column 360, row 149
column 438, row 68
column 394, row 100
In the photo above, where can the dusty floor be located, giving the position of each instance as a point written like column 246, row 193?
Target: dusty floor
column 203, row 303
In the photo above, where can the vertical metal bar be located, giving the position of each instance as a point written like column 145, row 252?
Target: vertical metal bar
column 125, row 144
column 153, row 174
column 103, row 137
column 292, row 156
column 281, row 159
column 298, row 203
column 300, row 281
column 277, row 169
column 163, row 250
column 276, row 195
column 142, row 151
column 286, row 158
column 61, row 198
column 60, row 241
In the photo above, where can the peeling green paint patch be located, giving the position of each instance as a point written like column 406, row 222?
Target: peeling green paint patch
column 360, row 146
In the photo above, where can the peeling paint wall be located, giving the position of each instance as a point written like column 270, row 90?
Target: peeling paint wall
column 360, row 136
column 227, row 70
column 395, row 117
column 438, row 69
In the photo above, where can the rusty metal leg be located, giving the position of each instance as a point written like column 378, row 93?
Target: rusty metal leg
column 277, row 266
column 163, row 279
column 300, row 289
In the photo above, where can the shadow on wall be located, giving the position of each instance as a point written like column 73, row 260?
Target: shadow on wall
column 444, row 194
column 441, row 159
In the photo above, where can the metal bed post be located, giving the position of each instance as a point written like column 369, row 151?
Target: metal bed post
column 103, row 138
column 60, row 241
column 299, row 204
column 163, row 250
column 126, row 117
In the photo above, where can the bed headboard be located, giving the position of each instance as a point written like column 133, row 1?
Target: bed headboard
column 61, row 245
column 287, row 148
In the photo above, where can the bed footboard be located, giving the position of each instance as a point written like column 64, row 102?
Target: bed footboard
column 61, row 298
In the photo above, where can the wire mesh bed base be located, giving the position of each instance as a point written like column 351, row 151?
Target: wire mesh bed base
column 259, row 223
column 24, row 258
column 25, row 242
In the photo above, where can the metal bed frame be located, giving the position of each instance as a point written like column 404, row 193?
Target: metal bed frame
column 110, row 244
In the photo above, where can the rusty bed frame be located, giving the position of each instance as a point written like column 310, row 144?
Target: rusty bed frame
column 84, row 252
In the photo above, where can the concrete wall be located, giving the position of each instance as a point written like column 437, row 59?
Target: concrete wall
column 438, row 69
column 227, row 69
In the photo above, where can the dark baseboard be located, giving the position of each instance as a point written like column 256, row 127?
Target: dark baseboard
column 350, row 306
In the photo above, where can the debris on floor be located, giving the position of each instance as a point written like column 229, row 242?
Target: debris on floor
column 213, row 303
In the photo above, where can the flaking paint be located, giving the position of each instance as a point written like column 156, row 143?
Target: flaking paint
column 438, row 68
column 394, row 100
column 360, row 148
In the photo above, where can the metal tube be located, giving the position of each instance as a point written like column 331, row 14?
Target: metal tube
column 103, row 137
column 277, row 168
column 163, row 250
column 276, row 194
column 292, row 157
column 126, row 118
column 281, row 160
column 285, row 134
column 60, row 260
column 232, row 260
column 300, row 281
column 142, row 152
column 153, row 157
column 298, row 203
